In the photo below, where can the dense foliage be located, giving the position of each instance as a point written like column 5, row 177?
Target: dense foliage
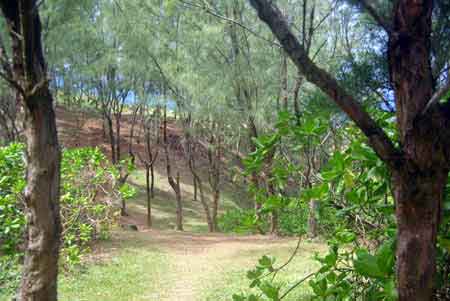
column 88, row 208
column 360, row 263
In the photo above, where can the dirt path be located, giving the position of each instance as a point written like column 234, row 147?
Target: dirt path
column 197, row 260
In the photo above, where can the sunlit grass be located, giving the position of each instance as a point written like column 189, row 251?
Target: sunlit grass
column 233, row 280
column 135, row 274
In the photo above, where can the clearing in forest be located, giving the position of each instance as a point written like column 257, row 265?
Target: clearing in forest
column 162, row 264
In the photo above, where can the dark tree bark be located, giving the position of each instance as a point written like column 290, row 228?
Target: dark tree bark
column 112, row 138
column 420, row 167
column 149, row 163
column 214, row 159
column 173, row 182
column 41, row 197
column 198, row 184
column 419, row 182
column 195, row 190
column 209, row 220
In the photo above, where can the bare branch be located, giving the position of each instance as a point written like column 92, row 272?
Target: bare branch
column 377, row 17
column 437, row 96
column 378, row 139
column 38, row 86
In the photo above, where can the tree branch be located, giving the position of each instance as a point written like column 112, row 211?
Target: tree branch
column 437, row 96
column 378, row 139
column 373, row 13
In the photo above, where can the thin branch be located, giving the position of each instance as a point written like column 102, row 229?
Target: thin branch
column 165, row 78
column 296, row 285
column 377, row 17
column 38, row 86
column 437, row 96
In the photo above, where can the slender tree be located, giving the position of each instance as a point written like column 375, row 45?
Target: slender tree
column 173, row 182
column 28, row 75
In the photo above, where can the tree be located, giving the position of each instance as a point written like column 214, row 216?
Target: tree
column 173, row 182
column 151, row 124
column 28, row 75
column 9, row 116
column 420, row 163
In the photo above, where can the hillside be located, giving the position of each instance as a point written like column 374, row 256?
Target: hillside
column 84, row 129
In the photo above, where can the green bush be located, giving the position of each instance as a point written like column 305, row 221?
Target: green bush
column 87, row 197
column 87, row 205
column 12, row 183
column 241, row 221
column 9, row 274
column 293, row 221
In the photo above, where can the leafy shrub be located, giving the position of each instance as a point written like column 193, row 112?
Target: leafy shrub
column 9, row 274
column 351, row 272
column 240, row 221
column 294, row 221
column 87, row 206
column 87, row 209
column 12, row 183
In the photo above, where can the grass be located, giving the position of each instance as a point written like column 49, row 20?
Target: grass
column 234, row 280
column 132, row 273
column 135, row 274
column 166, row 265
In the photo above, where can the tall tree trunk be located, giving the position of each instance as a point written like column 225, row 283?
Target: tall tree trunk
column 179, row 204
column 296, row 92
column 152, row 180
column 112, row 140
column 118, row 127
column 41, row 201
column 174, row 183
column 418, row 209
column 149, row 196
column 420, row 179
column 199, row 184
column 274, row 228
column 41, row 196
column 215, row 209
column 195, row 190
column 214, row 159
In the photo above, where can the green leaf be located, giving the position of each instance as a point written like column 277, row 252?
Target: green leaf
column 270, row 291
column 366, row 265
column 390, row 291
column 386, row 258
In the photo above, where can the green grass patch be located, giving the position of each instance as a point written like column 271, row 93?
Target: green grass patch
column 233, row 280
column 135, row 274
